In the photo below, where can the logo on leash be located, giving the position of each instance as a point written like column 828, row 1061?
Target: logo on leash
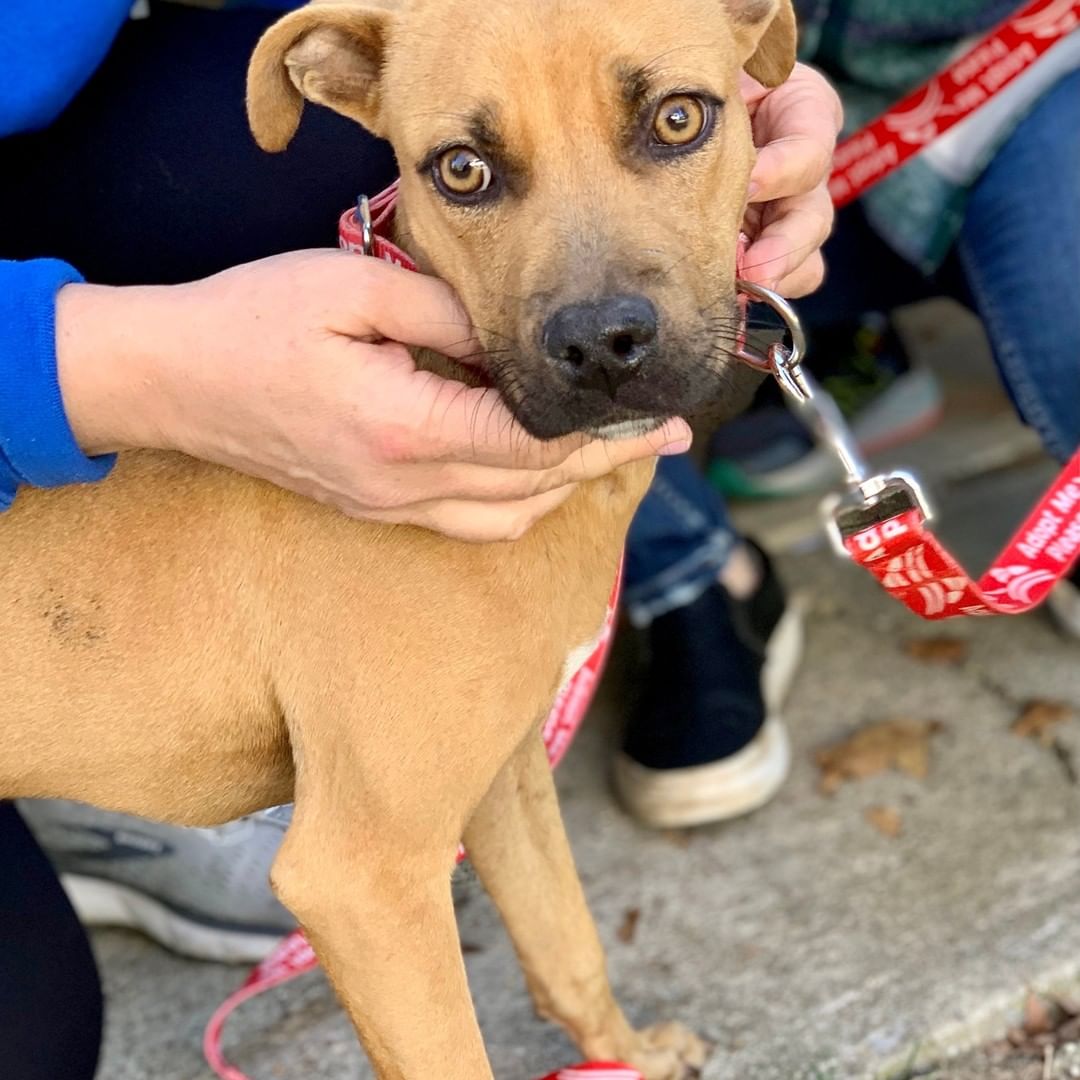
column 1058, row 19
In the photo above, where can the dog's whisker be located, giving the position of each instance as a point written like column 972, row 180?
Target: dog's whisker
column 810, row 247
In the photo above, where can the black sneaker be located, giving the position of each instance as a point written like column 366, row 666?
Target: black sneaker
column 706, row 742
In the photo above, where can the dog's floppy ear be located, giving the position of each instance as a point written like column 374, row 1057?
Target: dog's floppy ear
column 330, row 53
column 770, row 35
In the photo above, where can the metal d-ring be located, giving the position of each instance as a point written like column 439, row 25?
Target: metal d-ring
column 782, row 362
column 363, row 220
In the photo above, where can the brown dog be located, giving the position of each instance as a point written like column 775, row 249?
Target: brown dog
column 577, row 170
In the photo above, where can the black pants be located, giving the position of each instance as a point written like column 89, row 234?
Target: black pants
column 50, row 999
column 150, row 176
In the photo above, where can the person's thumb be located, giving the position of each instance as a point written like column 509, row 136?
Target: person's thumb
column 412, row 308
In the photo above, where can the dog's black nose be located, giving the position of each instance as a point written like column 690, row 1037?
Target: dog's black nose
column 600, row 344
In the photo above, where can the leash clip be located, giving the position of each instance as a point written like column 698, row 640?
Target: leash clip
column 877, row 501
column 869, row 499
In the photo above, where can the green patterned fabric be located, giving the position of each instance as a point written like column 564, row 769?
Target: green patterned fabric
column 875, row 51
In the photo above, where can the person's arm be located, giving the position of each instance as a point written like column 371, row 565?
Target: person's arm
column 36, row 443
column 291, row 369
column 295, row 369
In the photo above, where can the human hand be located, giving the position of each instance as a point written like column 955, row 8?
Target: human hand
column 295, row 369
column 791, row 212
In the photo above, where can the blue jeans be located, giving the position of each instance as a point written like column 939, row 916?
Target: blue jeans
column 679, row 541
column 1019, row 253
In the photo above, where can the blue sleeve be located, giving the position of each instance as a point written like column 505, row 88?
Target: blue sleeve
column 36, row 443
column 48, row 49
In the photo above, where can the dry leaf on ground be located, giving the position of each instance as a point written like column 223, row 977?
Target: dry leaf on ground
column 1046, row 1022
column 1039, row 719
column 886, row 819
column 628, row 929
column 1037, row 1016
column 892, row 744
column 938, row 650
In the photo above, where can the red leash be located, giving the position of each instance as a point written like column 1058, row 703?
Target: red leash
column 950, row 97
column 915, row 568
column 881, row 521
column 365, row 229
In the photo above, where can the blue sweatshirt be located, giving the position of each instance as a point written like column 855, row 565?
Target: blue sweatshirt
column 48, row 50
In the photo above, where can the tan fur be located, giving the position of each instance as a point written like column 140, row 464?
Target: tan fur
column 189, row 644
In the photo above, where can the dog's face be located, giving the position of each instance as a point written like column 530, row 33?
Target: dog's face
column 576, row 169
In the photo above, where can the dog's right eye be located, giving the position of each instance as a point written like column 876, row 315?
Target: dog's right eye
column 460, row 173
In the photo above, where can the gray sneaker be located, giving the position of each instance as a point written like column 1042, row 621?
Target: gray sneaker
column 203, row 893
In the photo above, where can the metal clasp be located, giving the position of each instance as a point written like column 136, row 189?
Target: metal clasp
column 869, row 498
column 363, row 221
column 874, row 501
column 783, row 363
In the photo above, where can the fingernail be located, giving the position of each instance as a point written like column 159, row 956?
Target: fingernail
column 679, row 446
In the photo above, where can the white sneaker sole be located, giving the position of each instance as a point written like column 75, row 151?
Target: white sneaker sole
column 737, row 785
column 783, row 654
column 106, row 903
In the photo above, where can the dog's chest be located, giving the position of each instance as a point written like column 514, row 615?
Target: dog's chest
column 580, row 655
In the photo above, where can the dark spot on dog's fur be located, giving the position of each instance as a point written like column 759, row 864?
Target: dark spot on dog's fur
column 60, row 618
column 72, row 625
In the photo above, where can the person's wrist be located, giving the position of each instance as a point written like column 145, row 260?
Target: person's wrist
column 108, row 352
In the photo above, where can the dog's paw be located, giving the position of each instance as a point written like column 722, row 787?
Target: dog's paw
column 669, row 1051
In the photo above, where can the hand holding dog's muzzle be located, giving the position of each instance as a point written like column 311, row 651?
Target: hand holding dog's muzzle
column 296, row 369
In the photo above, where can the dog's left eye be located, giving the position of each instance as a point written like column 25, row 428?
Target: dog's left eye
column 460, row 172
column 680, row 120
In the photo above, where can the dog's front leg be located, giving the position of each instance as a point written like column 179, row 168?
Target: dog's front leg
column 518, row 845
column 376, row 904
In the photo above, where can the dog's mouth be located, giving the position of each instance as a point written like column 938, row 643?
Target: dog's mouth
column 558, row 392
column 551, row 413
column 629, row 429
